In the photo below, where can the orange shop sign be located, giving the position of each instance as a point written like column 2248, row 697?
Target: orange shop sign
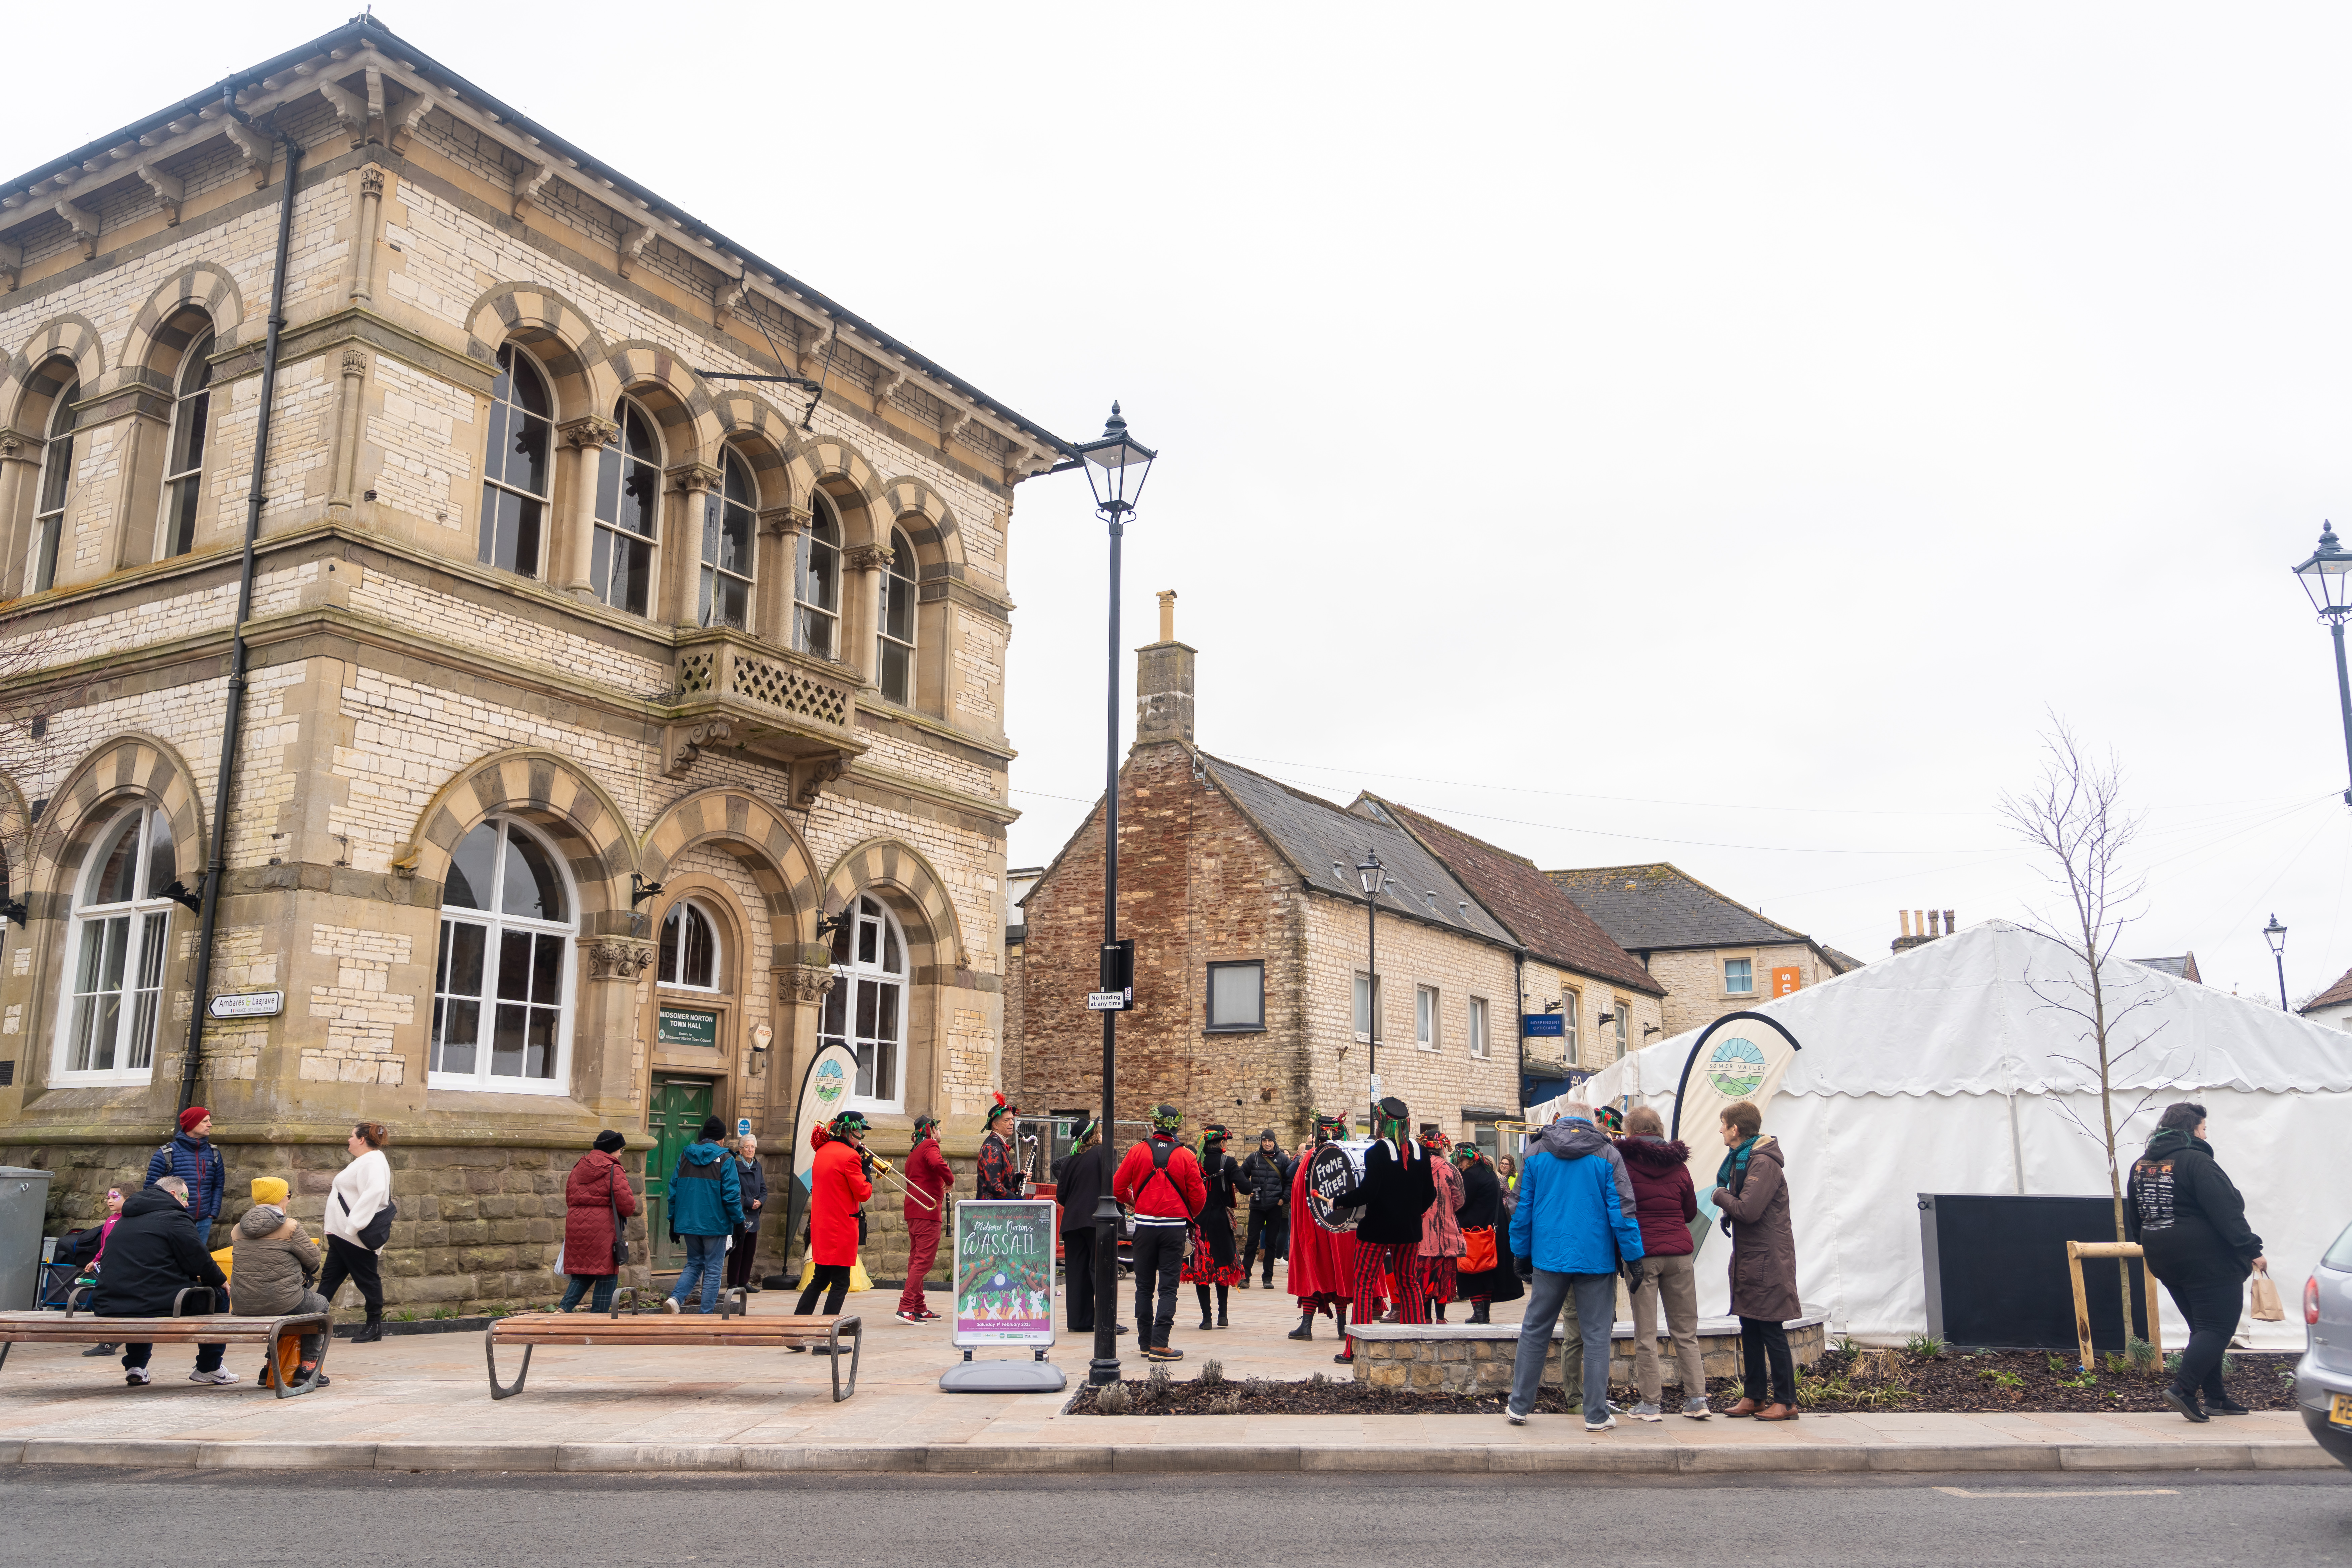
column 1785, row 982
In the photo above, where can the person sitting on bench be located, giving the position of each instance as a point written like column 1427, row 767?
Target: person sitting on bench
column 152, row 1255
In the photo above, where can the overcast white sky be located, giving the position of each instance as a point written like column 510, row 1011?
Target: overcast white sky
column 1701, row 433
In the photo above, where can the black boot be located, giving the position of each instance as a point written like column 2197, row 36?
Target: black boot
column 1478, row 1312
column 1306, row 1328
column 1437, row 1311
column 1222, row 1299
column 1202, row 1291
column 1340, row 1311
column 370, row 1331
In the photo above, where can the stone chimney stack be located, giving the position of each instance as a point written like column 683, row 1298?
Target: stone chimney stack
column 1164, row 683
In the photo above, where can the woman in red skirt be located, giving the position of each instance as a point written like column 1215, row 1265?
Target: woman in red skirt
column 1216, row 1257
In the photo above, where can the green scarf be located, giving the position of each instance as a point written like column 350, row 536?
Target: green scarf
column 1733, row 1172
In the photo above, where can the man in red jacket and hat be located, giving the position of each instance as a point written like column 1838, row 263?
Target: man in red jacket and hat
column 1161, row 1181
column 928, row 1179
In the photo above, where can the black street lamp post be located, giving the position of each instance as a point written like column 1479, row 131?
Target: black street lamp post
column 1372, row 877
column 2325, row 579
column 2276, row 933
column 1116, row 467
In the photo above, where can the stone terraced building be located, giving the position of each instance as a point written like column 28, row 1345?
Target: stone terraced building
column 617, row 729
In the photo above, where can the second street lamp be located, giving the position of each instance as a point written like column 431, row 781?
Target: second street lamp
column 2324, row 578
column 2275, row 934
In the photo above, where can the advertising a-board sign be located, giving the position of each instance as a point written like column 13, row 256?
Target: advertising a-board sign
column 1005, row 1272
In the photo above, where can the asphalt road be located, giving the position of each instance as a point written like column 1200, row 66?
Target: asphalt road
column 246, row 1518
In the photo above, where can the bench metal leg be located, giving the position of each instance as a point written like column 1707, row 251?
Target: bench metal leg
column 4, row 1351
column 297, row 1325
column 490, row 1354
column 858, row 1334
column 619, row 1291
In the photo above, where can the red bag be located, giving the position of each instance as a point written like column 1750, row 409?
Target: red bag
column 1479, row 1244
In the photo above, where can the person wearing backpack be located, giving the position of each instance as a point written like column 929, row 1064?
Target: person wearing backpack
column 1161, row 1181
column 360, row 1211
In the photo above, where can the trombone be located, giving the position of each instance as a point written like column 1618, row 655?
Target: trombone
column 884, row 1167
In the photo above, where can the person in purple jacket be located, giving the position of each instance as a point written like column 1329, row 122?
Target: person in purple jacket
column 1664, row 1202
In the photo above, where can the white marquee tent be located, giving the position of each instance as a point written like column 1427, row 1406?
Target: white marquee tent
column 1953, row 1068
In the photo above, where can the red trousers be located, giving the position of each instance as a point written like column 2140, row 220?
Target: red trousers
column 1374, row 1263
column 922, row 1246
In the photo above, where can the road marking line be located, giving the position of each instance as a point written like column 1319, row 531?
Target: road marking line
column 2141, row 1491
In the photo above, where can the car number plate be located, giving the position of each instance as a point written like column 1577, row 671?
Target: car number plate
column 2339, row 1410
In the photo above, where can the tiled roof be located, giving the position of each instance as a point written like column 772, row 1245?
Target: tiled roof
column 1522, row 897
column 1846, row 963
column 2339, row 991
column 2181, row 968
column 1653, row 907
column 1312, row 834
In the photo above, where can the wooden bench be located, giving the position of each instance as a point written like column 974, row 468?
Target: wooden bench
column 74, row 1327
column 636, row 1329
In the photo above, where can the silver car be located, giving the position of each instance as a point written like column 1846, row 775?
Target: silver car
column 2323, row 1379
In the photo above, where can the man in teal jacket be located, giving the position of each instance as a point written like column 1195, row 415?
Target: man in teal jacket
column 706, row 1206
column 1570, row 1231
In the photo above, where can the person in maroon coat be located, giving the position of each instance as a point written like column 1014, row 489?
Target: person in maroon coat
column 927, row 1179
column 1664, row 1202
column 596, row 1190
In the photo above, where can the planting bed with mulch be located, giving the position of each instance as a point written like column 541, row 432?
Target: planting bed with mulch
column 1843, row 1380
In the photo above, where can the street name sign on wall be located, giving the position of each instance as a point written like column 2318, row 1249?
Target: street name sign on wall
column 686, row 1026
column 249, row 1004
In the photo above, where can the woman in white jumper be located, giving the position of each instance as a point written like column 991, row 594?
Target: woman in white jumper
column 362, row 1191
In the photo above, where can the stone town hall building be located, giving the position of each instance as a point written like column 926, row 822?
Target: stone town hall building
column 548, row 612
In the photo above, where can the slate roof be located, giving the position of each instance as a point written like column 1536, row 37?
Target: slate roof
column 1311, row 834
column 2339, row 991
column 1658, row 908
column 2181, row 968
column 1527, row 901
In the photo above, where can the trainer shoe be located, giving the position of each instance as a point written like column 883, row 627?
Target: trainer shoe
column 906, row 1317
column 99, row 1350
column 2227, row 1408
column 218, row 1374
column 1606, row 1423
column 1163, row 1353
column 1517, row 1417
column 669, row 1305
column 931, row 1317
column 136, row 1376
column 1697, row 1409
column 1646, row 1411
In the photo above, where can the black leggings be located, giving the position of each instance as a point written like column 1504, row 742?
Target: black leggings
column 834, row 1274
column 346, row 1259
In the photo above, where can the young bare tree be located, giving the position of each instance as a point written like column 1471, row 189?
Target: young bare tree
column 2073, row 815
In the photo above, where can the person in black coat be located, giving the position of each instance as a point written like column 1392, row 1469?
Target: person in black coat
column 1481, row 1205
column 152, row 1255
column 1396, row 1189
column 2190, row 1223
column 1080, row 1179
column 1267, row 1175
column 751, row 1181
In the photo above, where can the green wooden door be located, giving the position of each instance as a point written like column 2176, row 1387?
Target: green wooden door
column 679, row 1104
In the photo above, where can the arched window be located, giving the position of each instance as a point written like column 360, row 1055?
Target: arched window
column 894, row 645
column 57, row 483
column 502, row 984
column 628, row 500
column 689, row 949
column 122, row 918
column 816, row 582
column 729, row 512
column 184, row 464
column 866, row 1008
column 517, row 467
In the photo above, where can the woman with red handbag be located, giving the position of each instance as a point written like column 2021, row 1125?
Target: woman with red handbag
column 1485, row 1275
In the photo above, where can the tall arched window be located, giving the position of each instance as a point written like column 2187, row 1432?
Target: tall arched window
column 184, row 464
column 689, row 948
column 894, row 644
column 729, row 512
column 866, row 1008
column 503, row 982
column 122, row 918
column 57, row 483
column 816, row 582
column 517, row 468
column 628, row 500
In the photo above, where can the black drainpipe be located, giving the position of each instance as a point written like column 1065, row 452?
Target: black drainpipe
column 1519, row 986
column 232, row 721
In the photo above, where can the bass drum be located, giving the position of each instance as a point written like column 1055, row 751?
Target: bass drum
column 1332, row 1169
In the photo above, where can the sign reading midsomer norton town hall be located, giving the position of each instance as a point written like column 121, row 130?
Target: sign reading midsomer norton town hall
column 686, row 1026
column 1004, row 1271
column 249, row 1004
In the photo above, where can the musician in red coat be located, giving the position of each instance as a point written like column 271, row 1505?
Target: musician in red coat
column 841, row 1179
column 1322, row 1261
column 928, row 1179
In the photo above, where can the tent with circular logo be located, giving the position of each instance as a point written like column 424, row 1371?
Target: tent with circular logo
column 1965, row 1066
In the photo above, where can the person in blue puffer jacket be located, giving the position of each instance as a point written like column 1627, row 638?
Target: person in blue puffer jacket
column 1570, row 1231
column 706, row 1206
column 190, row 1155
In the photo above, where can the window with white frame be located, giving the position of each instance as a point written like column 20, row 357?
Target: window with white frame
column 1739, row 976
column 502, row 982
column 1368, row 1004
column 183, row 475
column 1237, row 996
column 114, row 984
column 894, row 644
column 628, row 505
column 518, row 466
column 1478, row 1025
column 1570, row 1006
column 728, row 514
column 689, row 948
column 1622, row 1008
column 1424, row 1017
column 56, row 484
column 866, row 1008
column 816, row 582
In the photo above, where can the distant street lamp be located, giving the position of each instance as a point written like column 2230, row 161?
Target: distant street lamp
column 1374, row 878
column 2325, row 579
column 2275, row 934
